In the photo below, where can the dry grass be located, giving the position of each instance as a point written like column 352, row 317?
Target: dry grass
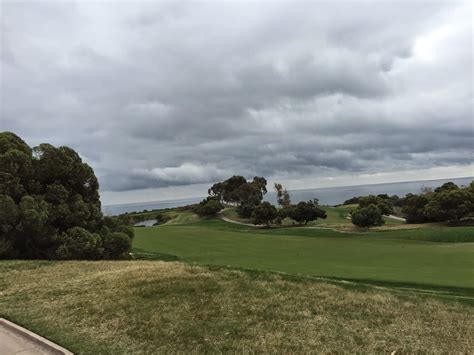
column 148, row 307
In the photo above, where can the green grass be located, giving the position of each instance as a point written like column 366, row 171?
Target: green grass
column 144, row 307
column 427, row 256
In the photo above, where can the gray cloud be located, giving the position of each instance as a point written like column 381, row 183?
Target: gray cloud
column 170, row 94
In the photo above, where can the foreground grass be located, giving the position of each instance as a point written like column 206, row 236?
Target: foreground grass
column 150, row 307
column 420, row 256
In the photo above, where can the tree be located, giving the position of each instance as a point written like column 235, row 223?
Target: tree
column 381, row 201
column 49, row 192
column 352, row 201
column 413, row 208
column 246, row 209
column 264, row 213
column 448, row 186
column 283, row 196
column 208, row 207
column 305, row 212
column 369, row 216
column 238, row 191
column 451, row 204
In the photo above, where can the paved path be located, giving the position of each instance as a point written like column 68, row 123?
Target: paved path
column 396, row 218
column 11, row 343
column 221, row 216
column 18, row 340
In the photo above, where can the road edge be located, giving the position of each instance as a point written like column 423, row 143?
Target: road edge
column 25, row 333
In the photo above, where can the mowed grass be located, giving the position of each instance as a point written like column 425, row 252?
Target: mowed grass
column 140, row 307
column 419, row 256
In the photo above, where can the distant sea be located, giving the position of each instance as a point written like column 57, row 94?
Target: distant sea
column 327, row 196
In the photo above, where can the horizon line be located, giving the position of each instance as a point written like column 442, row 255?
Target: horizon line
column 306, row 189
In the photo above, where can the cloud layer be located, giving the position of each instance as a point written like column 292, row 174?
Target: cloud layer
column 170, row 94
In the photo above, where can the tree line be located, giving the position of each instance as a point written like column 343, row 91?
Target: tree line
column 50, row 206
column 247, row 197
column 446, row 203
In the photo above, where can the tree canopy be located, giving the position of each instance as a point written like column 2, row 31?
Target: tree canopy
column 304, row 212
column 369, row 216
column 51, row 207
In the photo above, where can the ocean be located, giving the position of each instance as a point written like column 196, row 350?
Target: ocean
column 327, row 196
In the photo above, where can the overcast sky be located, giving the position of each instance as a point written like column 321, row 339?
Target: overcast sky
column 160, row 96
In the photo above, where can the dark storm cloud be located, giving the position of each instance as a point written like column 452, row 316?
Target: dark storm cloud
column 170, row 94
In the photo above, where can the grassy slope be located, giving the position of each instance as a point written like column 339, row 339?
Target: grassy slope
column 397, row 256
column 145, row 307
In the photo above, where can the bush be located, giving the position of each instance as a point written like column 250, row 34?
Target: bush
column 245, row 210
column 162, row 218
column 381, row 201
column 367, row 216
column 116, row 245
column 78, row 243
column 126, row 230
column 450, row 204
column 264, row 213
column 414, row 208
column 305, row 212
column 208, row 207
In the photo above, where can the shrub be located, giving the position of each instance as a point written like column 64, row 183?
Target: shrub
column 264, row 213
column 116, row 245
column 369, row 216
column 208, row 207
column 305, row 212
column 381, row 201
column 162, row 218
column 78, row 243
column 245, row 210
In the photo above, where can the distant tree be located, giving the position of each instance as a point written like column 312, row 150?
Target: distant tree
column 217, row 190
column 238, row 191
column 413, row 208
column 283, row 196
column 208, row 207
column 52, row 203
column 264, row 213
column 260, row 183
column 305, row 212
column 162, row 218
column 352, row 201
column 246, row 209
column 450, row 204
column 369, row 216
column 383, row 203
column 448, row 186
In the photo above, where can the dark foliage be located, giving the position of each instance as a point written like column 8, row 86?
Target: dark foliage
column 447, row 203
column 305, row 212
column 208, row 207
column 50, row 205
column 264, row 213
column 369, row 216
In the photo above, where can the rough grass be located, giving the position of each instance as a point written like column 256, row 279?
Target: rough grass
column 157, row 307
